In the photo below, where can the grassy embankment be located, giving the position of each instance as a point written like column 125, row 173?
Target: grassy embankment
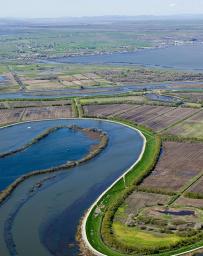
column 99, row 226
column 114, row 239
column 137, row 98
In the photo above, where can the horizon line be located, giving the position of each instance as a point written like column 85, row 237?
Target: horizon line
column 105, row 16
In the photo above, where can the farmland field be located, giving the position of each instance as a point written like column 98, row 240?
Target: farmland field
column 7, row 82
column 178, row 164
column 197, row 188
column 145, row 80
column 171, row 118
column 138, row 200
column 136, row 99
column 185, row 201
column 192, row 127
column 47, row 113
column 106, row 110
column 151, row 215
column 8, row 116
column 27, row 104
column 178, row 172
column 192, row 96
column 157, row 118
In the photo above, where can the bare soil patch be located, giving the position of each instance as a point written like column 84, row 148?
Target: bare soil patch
column 138, row 200
column 27, row 104
column 197, row 188
column 106, row 110
column 10, row 116
column 192, row 127
column 183, row 201
column 178, row 164
column 47, row 113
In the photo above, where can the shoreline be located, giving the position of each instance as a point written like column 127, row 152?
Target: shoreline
column 33, row 141
column 106, row 52
column 84, row 240
column 89, row 250
column 93, row 152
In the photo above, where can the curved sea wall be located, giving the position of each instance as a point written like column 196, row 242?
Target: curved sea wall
column 86, row 246
column 102, row 211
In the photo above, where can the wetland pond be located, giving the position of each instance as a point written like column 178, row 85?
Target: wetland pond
column 163, row 98
column 178, row 213
column 44, row 221
column 3, row 78
column 55, row 149
column 183, row 57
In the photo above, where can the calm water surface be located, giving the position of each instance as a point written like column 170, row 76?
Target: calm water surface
column 113, row 90
column 44, row 222
column 57, row 148
column 163, row 98
column 186, row 57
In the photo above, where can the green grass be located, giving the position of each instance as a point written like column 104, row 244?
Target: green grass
column 115, row 99
column 3, row 69
column 59, row 41
column 149, row 240
column 139, row 171
column 142, row 239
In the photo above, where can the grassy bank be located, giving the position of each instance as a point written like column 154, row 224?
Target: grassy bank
column 103, row 233
column 99, row 222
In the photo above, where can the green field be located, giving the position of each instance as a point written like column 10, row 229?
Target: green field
column 116, row 194
column 142, row 239
column 115, row 239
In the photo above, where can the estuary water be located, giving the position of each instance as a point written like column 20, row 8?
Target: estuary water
column 182, row 57
column 44, row 221
column 185, row 57
column 56, row 149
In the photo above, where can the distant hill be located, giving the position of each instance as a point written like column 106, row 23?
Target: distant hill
column 94, row 20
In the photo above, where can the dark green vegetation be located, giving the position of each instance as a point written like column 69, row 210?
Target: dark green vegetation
column 157, row 228
column 125, row 233
column 102, row 215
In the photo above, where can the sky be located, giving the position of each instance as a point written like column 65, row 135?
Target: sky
column 78, row 8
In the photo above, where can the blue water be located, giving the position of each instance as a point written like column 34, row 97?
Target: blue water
column 2, row 78
column 57, row 148
column 163, row 98
column 185, row 57
column 113, row 90
column 178, row 213
column 50, row 215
